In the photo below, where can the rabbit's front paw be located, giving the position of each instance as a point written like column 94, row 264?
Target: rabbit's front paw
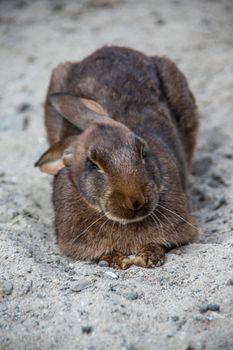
column 117, row 260
column 151, row 255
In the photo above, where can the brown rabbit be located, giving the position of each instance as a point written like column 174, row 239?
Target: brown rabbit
column 122, row 129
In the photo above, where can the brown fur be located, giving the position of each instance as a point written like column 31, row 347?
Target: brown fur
column 129, row 129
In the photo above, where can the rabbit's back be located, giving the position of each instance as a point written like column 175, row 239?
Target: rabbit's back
column 117, row 77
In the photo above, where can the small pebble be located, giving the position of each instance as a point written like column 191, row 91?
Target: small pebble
column 31, row 59
column 112, row 287
column 161, row 22
column 222, row 201
column 21, row 4
column 111, row 274
column 209, row 307
column 230, row 282
column 3, row 307
column 175, row 318
column 23, row 107
column 71, row 273
column 83, row 284
column 25, row 123
column 103, row 263
column 209, row 318
column 87, row 329
column 229, row 155
column 218, row 178
column 29, row 253
column 29, row 269
column 58, row 7
column 132, row 296
column 28, row 287
column 170, row 335
column 178, row 252
column 197, row 318
column 6, row 288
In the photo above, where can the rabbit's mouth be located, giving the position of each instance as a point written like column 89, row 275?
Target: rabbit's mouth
column 127, row 221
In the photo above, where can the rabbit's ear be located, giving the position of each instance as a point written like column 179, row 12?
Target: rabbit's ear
column 80, row 112
column 55, row 158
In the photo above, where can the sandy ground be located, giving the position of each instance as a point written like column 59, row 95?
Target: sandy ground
column 50, row 302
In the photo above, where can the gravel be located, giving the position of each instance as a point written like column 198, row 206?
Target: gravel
column 209, row 307
column 111, row 274
column 3, row 307
column 132, row 296
column 6, row 288
column 81, row 285
column 87, row 329
column 230, row 282
column 175, row 318
column 103, row 263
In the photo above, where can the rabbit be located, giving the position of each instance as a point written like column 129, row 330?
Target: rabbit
column 122, row 130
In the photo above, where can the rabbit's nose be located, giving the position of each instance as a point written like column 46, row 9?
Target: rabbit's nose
column 134, row 203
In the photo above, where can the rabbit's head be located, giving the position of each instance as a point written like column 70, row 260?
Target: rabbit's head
column 111, row 167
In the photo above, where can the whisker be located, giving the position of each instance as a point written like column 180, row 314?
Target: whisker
column 86, row 229
column 160, row 224
column 169, row 222
column 102, row 226
column 151, row 216
column 113, row 224
column 172, row 212
column 156, row 224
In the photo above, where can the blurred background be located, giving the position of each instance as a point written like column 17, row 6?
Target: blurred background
column 37, row 35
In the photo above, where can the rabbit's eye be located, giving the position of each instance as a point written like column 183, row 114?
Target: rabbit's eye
column 91, row 165
column 144, row 153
